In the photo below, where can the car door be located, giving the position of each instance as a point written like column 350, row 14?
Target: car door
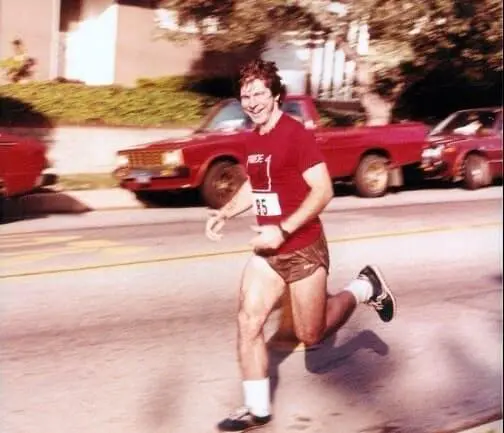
column 494, row 149
column 14, row 165
column 7, row 162
column 341, row 146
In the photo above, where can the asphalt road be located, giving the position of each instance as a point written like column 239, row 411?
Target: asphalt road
column 130, row 327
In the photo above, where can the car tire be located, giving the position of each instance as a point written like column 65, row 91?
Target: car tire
column 222, row 181
column 476, row 172
column 2, row 208
column 372, row 176
column 2, row 201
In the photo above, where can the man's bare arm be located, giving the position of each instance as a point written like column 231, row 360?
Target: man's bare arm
column 241, row 202
column 321, row 193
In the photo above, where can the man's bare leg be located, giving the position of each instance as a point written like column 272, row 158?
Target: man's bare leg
column 317, row 316
column 261, row 289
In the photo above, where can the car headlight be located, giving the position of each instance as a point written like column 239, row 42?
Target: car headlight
column 122, row 160
column 174, row 157
column 433, row 152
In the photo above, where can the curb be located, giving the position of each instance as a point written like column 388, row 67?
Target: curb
column 489, row 421
column 492, row 427
column 49, row 201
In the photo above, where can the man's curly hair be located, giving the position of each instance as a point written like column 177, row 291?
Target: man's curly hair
column 266, row 71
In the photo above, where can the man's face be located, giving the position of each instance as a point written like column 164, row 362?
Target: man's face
column 257, row 101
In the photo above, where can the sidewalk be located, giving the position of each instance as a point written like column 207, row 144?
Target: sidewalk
column 492, row 427
column 49, row 201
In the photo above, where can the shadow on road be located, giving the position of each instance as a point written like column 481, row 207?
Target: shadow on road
column 40, row 205
column 155, row 199
column 328, row 357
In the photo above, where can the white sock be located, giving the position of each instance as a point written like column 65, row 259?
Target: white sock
column 257, row 396
column 361, row 288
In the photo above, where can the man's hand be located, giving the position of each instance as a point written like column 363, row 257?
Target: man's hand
column 269, row 237
column 214, row 225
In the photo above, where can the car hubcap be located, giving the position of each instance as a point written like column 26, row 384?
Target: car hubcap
column 376, row 177
column 478, row 172
column 226, row 184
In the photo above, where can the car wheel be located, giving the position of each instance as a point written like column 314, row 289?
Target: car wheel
column 372, row 176
column 2, row 201
column 2, row 208
column 222, row 181
column 476, row 172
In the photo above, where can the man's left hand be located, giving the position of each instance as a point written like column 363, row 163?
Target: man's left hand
column 269, row 237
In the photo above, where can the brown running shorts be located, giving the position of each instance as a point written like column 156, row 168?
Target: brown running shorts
column 297, row 265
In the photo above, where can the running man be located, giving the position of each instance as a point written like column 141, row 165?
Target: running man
column 288, row 186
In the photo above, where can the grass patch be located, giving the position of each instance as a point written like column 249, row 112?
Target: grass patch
column 84, row 181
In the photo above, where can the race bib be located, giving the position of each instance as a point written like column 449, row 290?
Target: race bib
column 267, row 204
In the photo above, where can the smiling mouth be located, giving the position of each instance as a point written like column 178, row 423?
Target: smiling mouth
column 257, row 113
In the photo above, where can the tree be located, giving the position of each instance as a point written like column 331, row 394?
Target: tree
column 245, row 26
column 243, row 22
column 411, row 42
column 447, row 51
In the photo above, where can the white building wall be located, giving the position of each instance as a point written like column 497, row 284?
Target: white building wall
column 293, row 60
column 91, row 45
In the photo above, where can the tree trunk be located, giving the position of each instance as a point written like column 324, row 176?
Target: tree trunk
column 320, row 90
column 308, row 81
column 378, row 110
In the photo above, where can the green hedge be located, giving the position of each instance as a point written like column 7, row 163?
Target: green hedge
column 153, row 102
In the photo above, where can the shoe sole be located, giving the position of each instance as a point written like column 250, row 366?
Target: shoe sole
column 247, row 429
column 386, row 289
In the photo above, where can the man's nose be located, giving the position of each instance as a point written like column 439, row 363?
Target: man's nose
column 253, row 101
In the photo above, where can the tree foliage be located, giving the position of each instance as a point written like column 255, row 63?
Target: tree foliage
column 460, row 35
column 456, row 41
column 435, row 56
column 246, row 22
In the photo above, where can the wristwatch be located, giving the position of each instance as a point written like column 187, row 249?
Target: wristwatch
column 286, row 234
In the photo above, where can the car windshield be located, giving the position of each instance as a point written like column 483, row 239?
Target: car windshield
column 226, row 117
column 230, row 116
column 469, row 122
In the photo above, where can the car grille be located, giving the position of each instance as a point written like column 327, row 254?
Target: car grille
column 145, row 159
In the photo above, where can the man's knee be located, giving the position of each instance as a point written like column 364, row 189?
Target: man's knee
column 309, row 336
column 250, row 324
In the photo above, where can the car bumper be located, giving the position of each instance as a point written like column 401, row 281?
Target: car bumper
column 157, row 179
column 434, row 168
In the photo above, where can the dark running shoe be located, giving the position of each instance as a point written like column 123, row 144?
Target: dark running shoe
column 382, row 299
column 242, row 421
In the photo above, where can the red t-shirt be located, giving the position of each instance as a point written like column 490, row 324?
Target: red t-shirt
column 276, row 162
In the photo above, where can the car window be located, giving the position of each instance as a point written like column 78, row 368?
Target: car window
column 467, row 122
column 230, row 116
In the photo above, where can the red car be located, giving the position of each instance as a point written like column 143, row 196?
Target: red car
column 467, row 147
column 22, row 164
column 370, row 157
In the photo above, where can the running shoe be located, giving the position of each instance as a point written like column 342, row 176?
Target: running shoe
column 243, row 421
column 382, row 299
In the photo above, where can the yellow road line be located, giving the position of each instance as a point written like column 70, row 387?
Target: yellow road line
column 69, row 248
column 36, row 241
column 207, row 254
